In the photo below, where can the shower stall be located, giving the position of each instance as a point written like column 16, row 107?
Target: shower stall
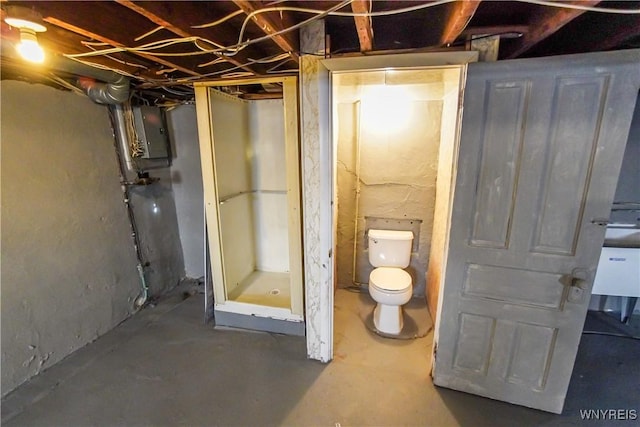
column 250, row 164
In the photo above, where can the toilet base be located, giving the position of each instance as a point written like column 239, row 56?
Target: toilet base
column 388, row 318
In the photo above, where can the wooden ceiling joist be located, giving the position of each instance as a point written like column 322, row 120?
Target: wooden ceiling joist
column 547, row 22
column 174, row 29
column 114, row 43
column 269, row 26
column 363, row 24
column 461, row 13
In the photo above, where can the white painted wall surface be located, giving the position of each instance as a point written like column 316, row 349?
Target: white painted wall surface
column 238, row 242
column 186, row 179
column 68, row 264
column 266, row 130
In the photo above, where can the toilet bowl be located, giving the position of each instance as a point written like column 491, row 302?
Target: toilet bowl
column 389, row 285
column 390, row 288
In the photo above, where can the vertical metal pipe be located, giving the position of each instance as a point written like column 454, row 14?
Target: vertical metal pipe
column 119, row 149
column 120, row 128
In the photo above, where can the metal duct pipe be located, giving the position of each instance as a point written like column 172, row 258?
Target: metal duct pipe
column 115, row 92
column 112, row 88
column 120, row 127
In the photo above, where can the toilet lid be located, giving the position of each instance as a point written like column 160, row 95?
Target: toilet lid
column 390, row 279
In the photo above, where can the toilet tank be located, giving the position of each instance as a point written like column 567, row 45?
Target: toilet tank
column 390, row 248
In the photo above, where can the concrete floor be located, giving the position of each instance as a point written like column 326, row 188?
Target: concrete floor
column 165, row 367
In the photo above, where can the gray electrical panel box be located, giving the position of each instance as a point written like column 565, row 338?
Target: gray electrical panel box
column 152, row 134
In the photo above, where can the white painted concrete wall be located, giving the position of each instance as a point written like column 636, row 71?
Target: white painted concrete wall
column 68, row 264
column 186, row 180
column 399, row 137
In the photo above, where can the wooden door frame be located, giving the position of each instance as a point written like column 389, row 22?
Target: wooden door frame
column 318, row 193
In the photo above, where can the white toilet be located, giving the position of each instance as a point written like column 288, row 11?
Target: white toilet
column 389, row 285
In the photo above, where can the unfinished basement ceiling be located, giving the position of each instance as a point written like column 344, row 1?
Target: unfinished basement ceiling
column 167, row 44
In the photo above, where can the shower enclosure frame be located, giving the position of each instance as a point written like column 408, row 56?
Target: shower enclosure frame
column 206, row 123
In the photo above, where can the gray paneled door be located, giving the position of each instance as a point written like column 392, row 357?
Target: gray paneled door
column 541, row 146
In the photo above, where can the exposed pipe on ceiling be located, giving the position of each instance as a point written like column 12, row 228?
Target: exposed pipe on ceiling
column 115, row 92
column 112, row 88
column 101, row 86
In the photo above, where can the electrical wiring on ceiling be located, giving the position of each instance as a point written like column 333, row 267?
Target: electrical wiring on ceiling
column 161, row 27
column 404, row 10
column 193, row 39
column 103, row 67
column 113, row 58
column 228, row 51
column 148, row 33
column 334, row 11
column 265, row 60
column 213, row 62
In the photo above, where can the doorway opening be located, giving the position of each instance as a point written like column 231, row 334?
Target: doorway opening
column 394, row 138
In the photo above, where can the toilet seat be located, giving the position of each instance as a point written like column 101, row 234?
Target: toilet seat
column 390, row 279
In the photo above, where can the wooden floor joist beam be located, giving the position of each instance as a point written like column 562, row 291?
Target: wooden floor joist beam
column 114, row 43
column 174, row 29
column 270, row 27
column 461, row 13
column 363, row 25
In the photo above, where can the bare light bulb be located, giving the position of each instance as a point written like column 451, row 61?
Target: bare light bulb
column 28, row 47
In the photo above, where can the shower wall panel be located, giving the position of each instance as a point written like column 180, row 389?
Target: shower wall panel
column 268, row 165
column 233, row 180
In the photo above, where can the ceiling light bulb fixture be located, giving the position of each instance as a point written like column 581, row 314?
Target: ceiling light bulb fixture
column 28, row 22
column 28, row 47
